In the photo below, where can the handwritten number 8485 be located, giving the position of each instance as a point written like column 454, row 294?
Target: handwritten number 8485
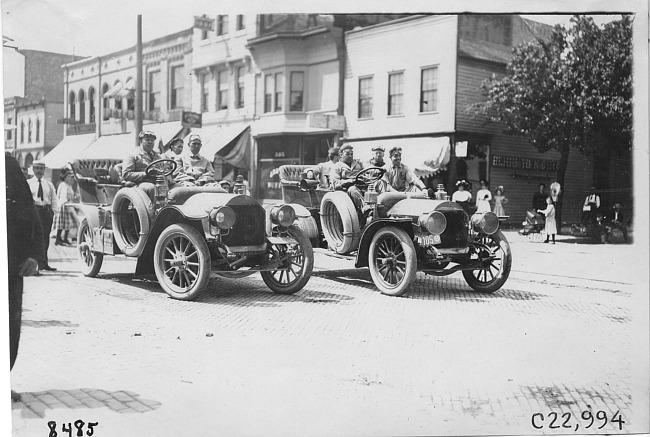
column 67, row 427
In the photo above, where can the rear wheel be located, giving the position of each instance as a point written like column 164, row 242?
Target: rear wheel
column 182, row 261
column 91, row 261
column 392, row 261
column 495, row 250
column 298, row 263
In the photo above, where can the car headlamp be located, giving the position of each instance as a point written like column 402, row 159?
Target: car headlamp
column 435, row 222
column 485, row 222
column 283, row 215
column 223, row 217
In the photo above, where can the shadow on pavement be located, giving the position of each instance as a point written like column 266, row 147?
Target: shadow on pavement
column 121, row 401
column 241, row 292
column 429, row 287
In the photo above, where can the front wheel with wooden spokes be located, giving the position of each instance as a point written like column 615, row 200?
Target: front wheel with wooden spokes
column 392, row 261
column 494, row 251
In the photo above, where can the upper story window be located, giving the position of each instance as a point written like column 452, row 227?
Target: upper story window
column 222, row 24
column 240, row 22
column 154, row 91
column 279, row 92
column 82, row 106
column 9, row 132
column 205, row 91
column 71, row 102
column 177, row 87
column 268, row 92
column 222, row 90
column 29, row 131
column 38, row 130
column 365, row 97
column 91, row 105
column 429, row 90
column 395, row 93
column 22, row 132
column 204, row 34
column 241, row 71
column 297, row 86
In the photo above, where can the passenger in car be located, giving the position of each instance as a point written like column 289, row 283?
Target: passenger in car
column 196, row 165
column 321, row 172
column 377, row 159
column 398, row 176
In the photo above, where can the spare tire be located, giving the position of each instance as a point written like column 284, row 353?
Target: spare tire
column 340, row 222
column 132, row 211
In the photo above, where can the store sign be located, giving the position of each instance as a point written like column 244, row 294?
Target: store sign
column 191, row 119
column 327, row 121
column 204, row 23
column 501, row 161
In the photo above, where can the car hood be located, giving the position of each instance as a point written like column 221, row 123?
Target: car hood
column 199, row 205
column 415, row 207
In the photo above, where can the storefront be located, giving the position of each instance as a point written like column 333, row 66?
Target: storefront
column 274, row 151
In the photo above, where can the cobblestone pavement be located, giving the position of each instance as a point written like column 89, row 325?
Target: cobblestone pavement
column 563, row 344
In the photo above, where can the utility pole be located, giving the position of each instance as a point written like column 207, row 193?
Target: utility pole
column 138, row 83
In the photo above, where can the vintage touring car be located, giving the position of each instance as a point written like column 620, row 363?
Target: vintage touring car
column 187, row 233
column 403, row 233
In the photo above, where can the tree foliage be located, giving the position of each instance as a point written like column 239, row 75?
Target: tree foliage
column 573, row 90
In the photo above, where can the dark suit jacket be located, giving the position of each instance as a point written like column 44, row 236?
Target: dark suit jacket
column 24, row 233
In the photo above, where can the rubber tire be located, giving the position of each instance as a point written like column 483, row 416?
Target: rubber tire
column 500, row 243
column 337, row 211
column 302, row 277
column 187, row 234
column 410, row 259
column 144, row 209
column 91, row 260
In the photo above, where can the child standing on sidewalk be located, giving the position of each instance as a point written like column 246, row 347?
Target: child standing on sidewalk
column 550, row 225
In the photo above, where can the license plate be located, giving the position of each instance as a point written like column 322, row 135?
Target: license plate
column 429, row 240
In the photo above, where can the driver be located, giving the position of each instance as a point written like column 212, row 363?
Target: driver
column 196, row 165
column 136, row 162
column 343, row 174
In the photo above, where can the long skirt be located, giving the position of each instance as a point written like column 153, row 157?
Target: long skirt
column 64, row 219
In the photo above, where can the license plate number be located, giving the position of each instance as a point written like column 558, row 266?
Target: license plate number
column 429, row 240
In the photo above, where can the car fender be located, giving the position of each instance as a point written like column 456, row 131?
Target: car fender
column 371, row 230
column 300, row 210
column 90, row 212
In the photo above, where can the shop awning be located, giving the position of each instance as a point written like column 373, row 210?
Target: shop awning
column 110, row 147
column 129, row 88
column 424, row 155
column 113, row 91
column 118, row 146
column 71, row 148
column 217, row 142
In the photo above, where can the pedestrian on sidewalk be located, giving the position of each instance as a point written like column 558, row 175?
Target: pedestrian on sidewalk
column 24, row 246
column 45, row 199
column 499, row 201
column 483, row 198
column 65, row 221
column 550, row 227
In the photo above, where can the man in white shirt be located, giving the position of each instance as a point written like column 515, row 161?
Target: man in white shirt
column 591, row 207
column 398, row 176
column 196, row 165
column 44, row 195
column 322, row 171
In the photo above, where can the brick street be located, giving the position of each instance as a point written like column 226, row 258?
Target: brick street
column 567, row 334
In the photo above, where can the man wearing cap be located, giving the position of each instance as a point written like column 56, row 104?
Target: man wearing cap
column 398, row 176
column 136, row 163
column 196, row 165
column 45, row 199
column 322, row 171
column 377, row 159
column 343, row 174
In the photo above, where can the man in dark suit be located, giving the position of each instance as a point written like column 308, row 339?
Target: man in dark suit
column 24, row 245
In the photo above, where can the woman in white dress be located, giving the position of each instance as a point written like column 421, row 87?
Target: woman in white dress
column 483, row 198
column 550, row 227
column 462, row 196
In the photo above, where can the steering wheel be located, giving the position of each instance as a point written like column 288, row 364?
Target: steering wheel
column 369, row 175
column 154, row 170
